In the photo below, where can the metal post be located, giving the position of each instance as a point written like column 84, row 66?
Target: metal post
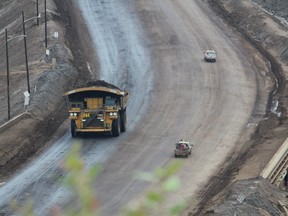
column 45, row 23
column 37, row 11
column 26, row 56
column 7, row 61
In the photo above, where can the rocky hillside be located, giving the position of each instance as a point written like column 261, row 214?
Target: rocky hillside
column 50, row 76
column 279, row 7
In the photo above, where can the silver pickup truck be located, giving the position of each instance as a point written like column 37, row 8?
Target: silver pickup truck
column 183, row 148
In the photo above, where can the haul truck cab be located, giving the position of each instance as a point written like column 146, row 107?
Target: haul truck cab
column 98, row 107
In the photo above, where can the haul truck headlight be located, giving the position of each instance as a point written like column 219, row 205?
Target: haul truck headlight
column 73, row 114
column 113, row 114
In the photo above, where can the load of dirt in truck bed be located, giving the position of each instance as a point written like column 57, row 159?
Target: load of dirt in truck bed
column 101, row 83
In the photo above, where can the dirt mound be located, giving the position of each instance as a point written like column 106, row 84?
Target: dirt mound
column 251, row 197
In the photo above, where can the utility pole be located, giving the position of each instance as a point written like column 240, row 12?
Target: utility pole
column 26, row 56
column 37, row 11
column 7, row 63
column 45, row 23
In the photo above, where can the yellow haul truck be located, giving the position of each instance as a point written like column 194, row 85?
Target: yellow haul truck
column 97, row 107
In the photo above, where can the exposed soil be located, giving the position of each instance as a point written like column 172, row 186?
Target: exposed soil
column 66, row 67
column 238, row 190
column 50, row 77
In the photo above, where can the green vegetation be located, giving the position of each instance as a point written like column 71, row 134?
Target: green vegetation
column 80, row 181
column 26, row 210
column 154, row 201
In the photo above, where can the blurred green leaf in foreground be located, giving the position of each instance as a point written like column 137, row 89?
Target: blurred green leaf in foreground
column 80, row 181
column 153, row 203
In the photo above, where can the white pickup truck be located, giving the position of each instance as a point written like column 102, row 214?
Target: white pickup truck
column 210, row 55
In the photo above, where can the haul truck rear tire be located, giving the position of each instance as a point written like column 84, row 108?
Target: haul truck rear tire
column 116, row 127
column 123, row 120
column 73, row 129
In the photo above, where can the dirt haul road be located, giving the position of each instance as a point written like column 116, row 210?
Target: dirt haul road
column 154, row 49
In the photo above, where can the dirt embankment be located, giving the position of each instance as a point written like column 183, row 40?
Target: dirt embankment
column 228, row 193
column 50, row 76
column 277, row 7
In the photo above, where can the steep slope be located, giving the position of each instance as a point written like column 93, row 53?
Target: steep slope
column 29, row 128
column 242, row 191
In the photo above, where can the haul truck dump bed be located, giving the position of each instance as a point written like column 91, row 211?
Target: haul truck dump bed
column 97, row 107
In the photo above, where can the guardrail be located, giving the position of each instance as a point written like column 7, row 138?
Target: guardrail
column 14, row 121
column 276, row 169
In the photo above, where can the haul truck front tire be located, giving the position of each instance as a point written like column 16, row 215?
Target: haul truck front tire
column 73, row 129
column 123, row 120
column 116, row 127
